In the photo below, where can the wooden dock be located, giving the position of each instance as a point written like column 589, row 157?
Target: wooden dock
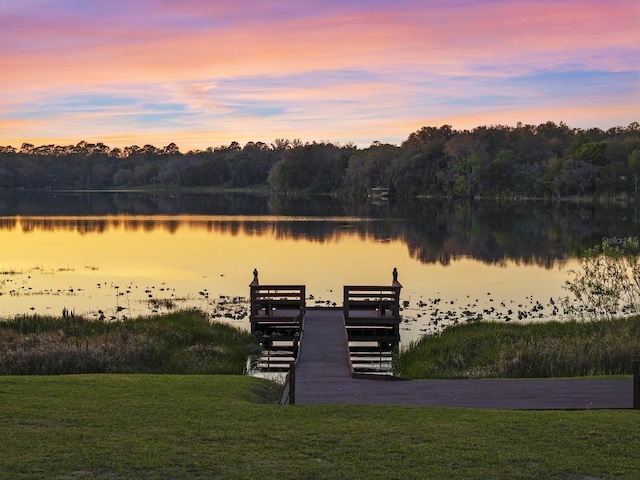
column 323, row 376
column 330, row 355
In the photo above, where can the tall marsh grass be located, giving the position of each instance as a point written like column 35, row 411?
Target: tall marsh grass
column 537, row 350
column 182, row 343
column 608, row 281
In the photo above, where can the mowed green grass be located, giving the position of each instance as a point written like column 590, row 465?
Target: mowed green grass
column 209, row 426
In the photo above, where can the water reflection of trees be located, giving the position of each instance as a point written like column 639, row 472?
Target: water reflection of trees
column 127, row 203
column 434, row 231
column 528, row 233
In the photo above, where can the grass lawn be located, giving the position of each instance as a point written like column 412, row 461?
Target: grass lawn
column 191, row 426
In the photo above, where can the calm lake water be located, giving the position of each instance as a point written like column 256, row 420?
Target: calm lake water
column 117, row 254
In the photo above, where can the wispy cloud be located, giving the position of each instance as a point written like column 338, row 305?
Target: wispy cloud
column 202, row 73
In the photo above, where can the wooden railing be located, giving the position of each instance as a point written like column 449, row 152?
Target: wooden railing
column 370, row 302
column 277, row 319
column 372, row 319
column 277, row 303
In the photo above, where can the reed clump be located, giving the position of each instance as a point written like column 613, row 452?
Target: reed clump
column 536, row 350
column 181, row 343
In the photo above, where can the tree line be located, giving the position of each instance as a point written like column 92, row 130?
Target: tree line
column 546, row 160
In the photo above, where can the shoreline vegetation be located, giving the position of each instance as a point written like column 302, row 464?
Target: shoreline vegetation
column 606, row 198
column 184, row 342
column 187, row 342
column 533, row 350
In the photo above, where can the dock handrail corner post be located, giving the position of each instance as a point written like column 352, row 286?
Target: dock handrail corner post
column 395, row 282
column 397, row 286
column 636, row 384
column 253, row 286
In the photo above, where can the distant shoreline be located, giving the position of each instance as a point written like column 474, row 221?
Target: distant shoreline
column 266, row 191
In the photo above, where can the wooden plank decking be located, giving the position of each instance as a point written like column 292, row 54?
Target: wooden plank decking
column 323, row 376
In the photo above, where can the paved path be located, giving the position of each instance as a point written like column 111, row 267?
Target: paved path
column 323, row 376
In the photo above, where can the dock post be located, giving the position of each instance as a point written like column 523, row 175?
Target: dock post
column 292, row 383
column 636, row 384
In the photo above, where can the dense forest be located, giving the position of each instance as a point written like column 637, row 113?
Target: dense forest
column 547, row 160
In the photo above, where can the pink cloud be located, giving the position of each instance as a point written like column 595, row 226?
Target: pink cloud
column 499, row 33
column 410, row 56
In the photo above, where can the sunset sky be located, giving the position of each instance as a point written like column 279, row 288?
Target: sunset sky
column 205, row 73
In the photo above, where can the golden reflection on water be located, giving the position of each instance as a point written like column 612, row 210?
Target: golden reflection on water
column 102, row 263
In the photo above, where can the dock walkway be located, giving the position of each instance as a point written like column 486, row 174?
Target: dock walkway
column 323, row 376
